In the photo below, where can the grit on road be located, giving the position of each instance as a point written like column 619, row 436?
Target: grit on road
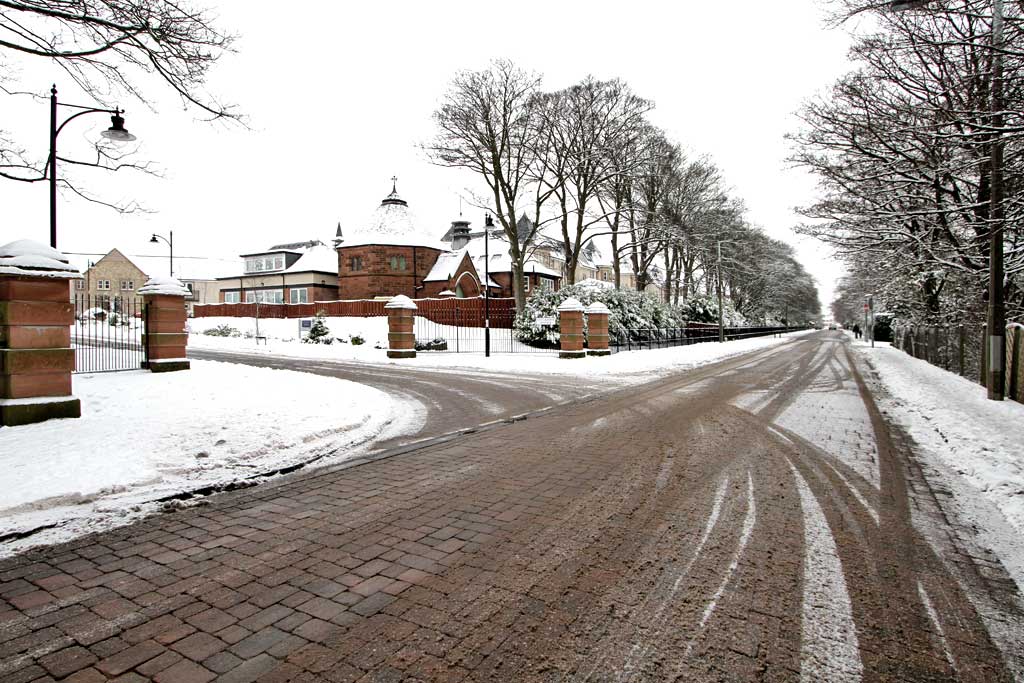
column 753, row 520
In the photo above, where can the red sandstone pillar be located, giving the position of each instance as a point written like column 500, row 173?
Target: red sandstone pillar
column 597, row 329
column 165, row 337
column 401, row 338
column 36, row 314
column 570, row 329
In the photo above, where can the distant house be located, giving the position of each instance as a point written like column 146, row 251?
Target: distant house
column 297, row 273
column 112, row 277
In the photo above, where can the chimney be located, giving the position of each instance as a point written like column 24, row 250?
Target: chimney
column 460, row 234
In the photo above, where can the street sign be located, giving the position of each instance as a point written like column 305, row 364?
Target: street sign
column 547, row 321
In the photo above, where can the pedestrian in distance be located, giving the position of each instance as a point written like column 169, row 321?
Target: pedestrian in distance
column 856, row 330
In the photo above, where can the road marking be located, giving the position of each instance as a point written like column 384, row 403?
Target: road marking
column 829, row 647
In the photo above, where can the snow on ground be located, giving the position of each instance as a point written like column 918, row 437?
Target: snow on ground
column 625, row 367
column 142, row 437
column 980, row 440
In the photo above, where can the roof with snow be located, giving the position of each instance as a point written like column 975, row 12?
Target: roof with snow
column 500, row 261
column 320, row 258
column 446, row 265
column 392, row 223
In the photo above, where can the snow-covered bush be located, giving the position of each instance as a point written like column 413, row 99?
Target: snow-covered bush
column 318, row 333
column 435, row 344
column 222, row 331
column 357, row 339
column 629, row 310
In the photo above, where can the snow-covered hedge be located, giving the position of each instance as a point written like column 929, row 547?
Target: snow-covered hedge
column 629, row 309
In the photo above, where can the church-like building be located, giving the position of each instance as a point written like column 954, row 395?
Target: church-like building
column 391, row 255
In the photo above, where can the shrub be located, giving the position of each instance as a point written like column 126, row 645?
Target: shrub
column 318, row 333
column 435, row 344
column 222, row 331
column 356, row 339
column 629, row 310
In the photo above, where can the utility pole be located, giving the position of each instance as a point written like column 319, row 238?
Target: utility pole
column 996, row 313
column 721, row 327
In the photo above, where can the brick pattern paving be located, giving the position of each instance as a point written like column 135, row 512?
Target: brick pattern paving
column 559, row 548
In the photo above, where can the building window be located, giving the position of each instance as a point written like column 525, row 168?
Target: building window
column 262, row 264
column 232, row 297
column 299, row 296
column 79, row 284
column 397, row 263
column 546, row 285
column 127, row 285
column 526, row 283
column 265, row 296
column 103, row 284
column 190, row 289
column 355, row 263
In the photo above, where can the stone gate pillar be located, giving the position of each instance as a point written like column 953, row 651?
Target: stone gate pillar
column 165, row 338
column 597, row 329
column 401, row 338
column 36, row 315
column 570, row 329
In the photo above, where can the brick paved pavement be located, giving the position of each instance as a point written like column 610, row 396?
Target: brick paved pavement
column 649, row 535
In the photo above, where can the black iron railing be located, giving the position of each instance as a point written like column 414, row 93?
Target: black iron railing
column 107, row 334
column 636, row 339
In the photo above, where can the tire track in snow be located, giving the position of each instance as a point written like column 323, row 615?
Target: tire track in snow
column 640, row 650
column 830, row 650
column 748, row 528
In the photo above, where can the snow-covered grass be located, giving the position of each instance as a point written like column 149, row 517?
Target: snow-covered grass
column 979, row 440
column 282, row 340
column 143, row 436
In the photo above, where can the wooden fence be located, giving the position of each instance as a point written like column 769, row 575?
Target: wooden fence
column 468, row 312
column 962, row 350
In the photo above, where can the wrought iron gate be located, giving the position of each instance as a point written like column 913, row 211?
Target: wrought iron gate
column 107, row 334
column 458, row 326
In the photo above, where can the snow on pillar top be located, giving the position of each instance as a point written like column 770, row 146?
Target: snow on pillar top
column 597, row 308
column 570, row 305
column 28, row 258
column 162, row 284
column 401, row 301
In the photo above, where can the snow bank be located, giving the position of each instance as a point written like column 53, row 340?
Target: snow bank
column 142, row 437
column 980, row 440
column 626, row 367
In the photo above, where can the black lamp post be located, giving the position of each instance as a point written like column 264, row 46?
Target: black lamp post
column 169, row 243
column 488, row 225
column 996, row 319
column 116, row 132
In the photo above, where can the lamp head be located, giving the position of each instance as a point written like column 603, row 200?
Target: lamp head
column 153, row 239
column 904, row 5
column 117, row 131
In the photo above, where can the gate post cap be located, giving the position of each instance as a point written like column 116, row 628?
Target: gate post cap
column 401, row 301
column 597, row 308
column 162, row 284
column 569, row 305
column 28, row 258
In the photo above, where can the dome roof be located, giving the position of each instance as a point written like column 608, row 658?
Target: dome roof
column 391, row 223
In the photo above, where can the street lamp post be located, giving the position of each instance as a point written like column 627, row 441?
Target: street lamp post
column 488, row 225
column 169, row 243
column 116, row 132
column 996, row 319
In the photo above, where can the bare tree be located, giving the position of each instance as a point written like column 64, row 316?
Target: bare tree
column 589, row 123
column 489, row 124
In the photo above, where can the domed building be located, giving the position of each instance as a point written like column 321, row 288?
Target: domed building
column 391, row 255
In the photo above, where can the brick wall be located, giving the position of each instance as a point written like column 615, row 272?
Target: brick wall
column 376, row 278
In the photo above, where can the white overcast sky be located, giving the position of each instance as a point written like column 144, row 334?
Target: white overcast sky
column 339, row 96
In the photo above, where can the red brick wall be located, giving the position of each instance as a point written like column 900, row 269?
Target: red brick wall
column 376, row 277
